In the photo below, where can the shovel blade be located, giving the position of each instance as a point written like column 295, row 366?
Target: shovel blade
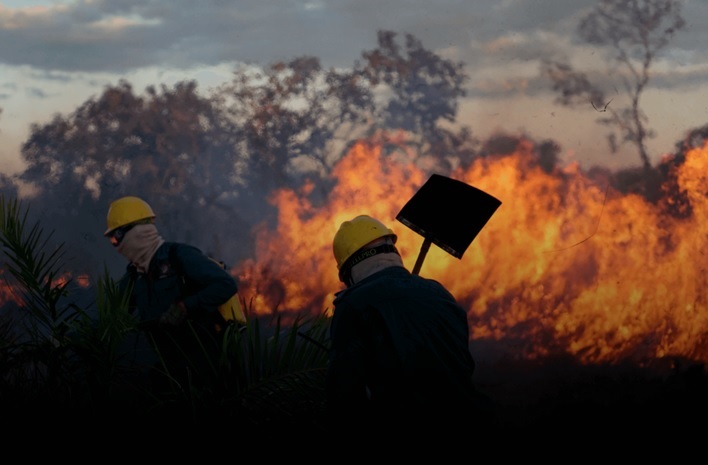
column 449, row 213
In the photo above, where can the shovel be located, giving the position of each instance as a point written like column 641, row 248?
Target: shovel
column 448, row 213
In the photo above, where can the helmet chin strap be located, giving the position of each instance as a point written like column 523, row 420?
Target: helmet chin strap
column 345, row 272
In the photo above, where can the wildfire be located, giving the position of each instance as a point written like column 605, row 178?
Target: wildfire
column 565, row 266
column 10, row 293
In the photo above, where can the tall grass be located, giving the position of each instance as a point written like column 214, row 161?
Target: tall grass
column 57, row 357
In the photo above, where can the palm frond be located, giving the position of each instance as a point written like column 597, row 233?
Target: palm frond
column 276, row 373
column 43, row 367
column 36, row 271
column 101, row 341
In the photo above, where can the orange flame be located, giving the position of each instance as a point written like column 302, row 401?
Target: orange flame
column 563, row 267
column 82, row 281
column 9, row 292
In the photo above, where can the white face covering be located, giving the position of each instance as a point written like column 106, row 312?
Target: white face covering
column 371, row 265
column 140, row 244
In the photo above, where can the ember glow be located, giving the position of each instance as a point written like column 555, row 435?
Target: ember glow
column 10, row 292
column 565, row 265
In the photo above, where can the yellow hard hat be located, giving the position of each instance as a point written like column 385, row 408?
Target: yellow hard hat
column 127, row 210
column 356, row 233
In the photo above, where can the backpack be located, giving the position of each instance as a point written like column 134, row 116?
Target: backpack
column 231, row 309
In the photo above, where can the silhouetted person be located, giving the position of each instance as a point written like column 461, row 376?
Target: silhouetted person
column 400, row 358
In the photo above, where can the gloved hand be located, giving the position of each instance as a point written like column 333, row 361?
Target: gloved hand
column 174, row 315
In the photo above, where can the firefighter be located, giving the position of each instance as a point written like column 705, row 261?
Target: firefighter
column 399, row 342
column 177, row 306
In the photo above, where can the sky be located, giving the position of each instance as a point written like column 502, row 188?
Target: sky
column 57, row 54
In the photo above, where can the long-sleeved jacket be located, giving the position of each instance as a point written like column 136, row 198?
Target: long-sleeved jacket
column 202, row 285
column 399, row 344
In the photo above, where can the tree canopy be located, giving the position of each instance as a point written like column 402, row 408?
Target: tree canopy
column 214, row 158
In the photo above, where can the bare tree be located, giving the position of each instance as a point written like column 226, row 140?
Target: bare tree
column 294, row 120
column 422, row 90
column 632, row 32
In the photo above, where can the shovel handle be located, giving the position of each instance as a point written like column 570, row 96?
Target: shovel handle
column 421, row 255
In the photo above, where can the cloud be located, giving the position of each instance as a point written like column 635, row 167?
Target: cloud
column 111, row 36
column 36, row 92
column 69, row 50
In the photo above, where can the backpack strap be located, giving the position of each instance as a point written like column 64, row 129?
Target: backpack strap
column 177, row 266
column 174, row 259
